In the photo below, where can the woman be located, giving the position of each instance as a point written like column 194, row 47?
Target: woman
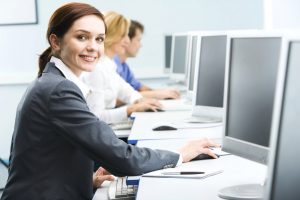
column 107, row 86
column 56, row 137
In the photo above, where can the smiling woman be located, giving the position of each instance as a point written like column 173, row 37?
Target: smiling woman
column 56, row 138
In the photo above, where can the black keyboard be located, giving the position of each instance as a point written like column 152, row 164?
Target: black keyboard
column 119, row 190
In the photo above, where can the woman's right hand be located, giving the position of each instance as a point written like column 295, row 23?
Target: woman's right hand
column 196, row 147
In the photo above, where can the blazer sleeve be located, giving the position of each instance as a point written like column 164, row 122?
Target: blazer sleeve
column 72, row 119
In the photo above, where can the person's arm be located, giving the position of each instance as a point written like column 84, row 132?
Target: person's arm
column 70, row 115
column 126, row 93
column 162, row 94
column 102, row 99
column 144, row 88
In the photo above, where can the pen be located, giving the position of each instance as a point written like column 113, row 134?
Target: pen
column 182, row 173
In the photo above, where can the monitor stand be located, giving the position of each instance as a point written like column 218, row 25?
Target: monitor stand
column 247, row 191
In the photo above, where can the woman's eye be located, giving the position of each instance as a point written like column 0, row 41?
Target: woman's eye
column 82, row 37
column 100, row 39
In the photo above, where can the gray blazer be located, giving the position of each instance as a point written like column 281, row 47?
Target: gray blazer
column 56, row 139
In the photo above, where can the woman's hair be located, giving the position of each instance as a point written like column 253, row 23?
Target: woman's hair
column 117, row 28
column 61, row 21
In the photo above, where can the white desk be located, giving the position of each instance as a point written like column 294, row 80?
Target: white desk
column 144, row 122
column 236, row 171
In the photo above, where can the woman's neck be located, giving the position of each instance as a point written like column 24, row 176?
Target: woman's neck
column 109, row 53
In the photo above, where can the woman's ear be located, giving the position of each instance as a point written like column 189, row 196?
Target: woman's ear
column 54, row 42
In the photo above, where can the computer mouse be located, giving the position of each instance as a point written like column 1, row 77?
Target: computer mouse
column 203, row 156
column 164, row 128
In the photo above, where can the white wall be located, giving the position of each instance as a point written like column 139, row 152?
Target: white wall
column 21, row 45
column 285, row 14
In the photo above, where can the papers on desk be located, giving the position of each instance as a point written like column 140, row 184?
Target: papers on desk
column 176, row 173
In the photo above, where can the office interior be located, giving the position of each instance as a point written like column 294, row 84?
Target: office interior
column 22, row 43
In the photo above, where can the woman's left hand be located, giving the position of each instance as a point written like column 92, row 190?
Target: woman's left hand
column 100, row 176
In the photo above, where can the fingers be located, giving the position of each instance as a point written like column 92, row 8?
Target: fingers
column 209, row 152
column 99, row 179
column 169, row 94
column 102, row 171
column 196, row 147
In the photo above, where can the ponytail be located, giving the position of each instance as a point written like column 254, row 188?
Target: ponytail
column 43, row 60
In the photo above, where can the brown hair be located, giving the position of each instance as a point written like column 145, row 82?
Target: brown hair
column 117, row 28
column 61, row 21
column 134, row 25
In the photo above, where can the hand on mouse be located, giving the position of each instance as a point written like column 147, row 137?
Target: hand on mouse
column 196, row 147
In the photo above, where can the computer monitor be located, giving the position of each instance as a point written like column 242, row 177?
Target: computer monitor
column 179, row 56
column 168, row 48
column 284, row 177
column 209, row 80
column 251, row 74
column 193, row 46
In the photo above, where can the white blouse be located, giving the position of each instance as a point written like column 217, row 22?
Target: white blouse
column 106, row 87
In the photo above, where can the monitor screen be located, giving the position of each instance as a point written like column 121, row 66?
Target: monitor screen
column 252, row 73
column 284, row 179
column 211, row 70
column 168, row 48
column 192, row 62
column 179, row 57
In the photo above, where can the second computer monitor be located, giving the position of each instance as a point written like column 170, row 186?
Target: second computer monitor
column 209, row 79
column 179, row 56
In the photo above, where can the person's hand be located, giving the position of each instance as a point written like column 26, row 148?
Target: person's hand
column 100, row 176
column 143, row 105
column 196, row 147
column 169, row 93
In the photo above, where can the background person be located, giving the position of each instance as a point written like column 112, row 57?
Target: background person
column 109, row 90
column 135, row 34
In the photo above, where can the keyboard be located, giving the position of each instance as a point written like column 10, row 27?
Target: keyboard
column 124, row 125
column 119, row 190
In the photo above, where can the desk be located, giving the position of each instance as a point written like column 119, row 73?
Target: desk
column 144, row 122
column 236, row 171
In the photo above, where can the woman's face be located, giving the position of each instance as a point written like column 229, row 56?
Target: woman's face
column 83, row 44
column 120, row 46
